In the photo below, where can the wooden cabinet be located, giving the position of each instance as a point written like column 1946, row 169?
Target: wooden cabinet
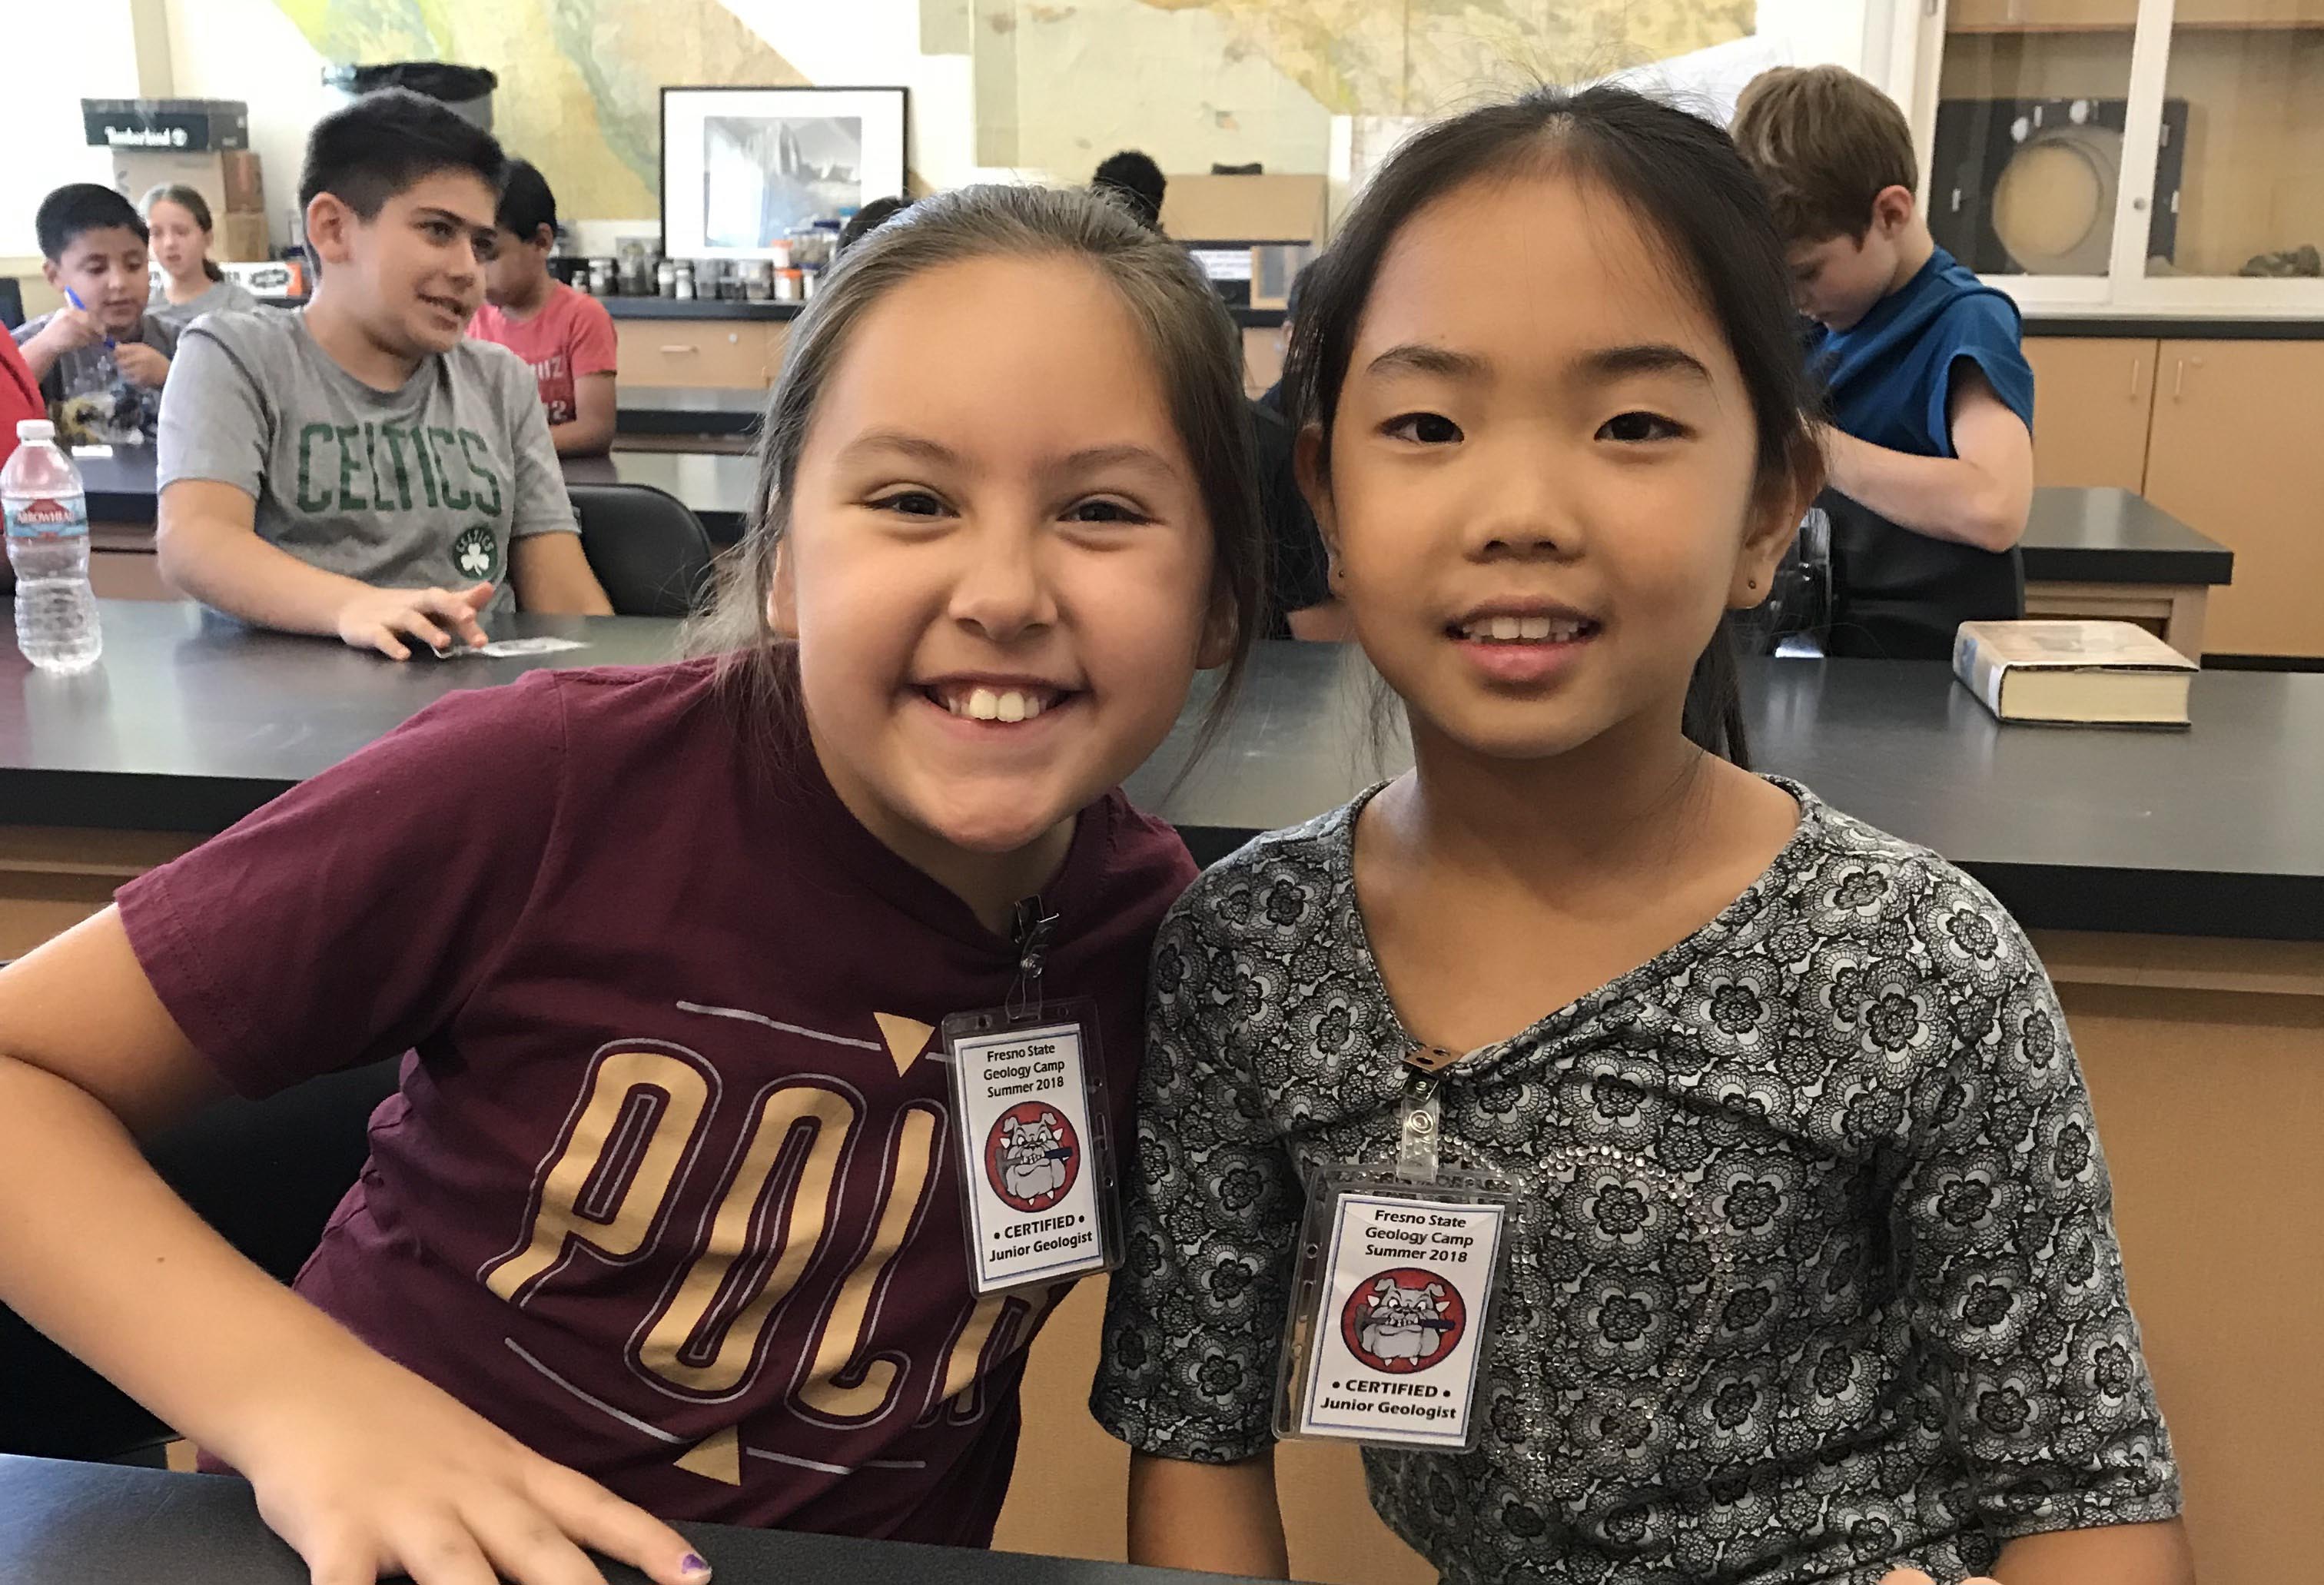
column 1968, row 16
column 2092, row 398
column 2247, row 13
column 740, row 352
column 2237, row 451
column 2036, row 16
column 2222, row 435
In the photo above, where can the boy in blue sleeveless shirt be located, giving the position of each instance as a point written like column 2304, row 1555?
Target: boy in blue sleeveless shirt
column 1931, row 446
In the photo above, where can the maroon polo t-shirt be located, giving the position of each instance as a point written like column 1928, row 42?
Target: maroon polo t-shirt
column 667, row 1192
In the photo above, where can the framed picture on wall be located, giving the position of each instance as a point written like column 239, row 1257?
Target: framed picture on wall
column 742, row 167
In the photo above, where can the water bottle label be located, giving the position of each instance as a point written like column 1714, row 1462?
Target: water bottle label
column 42, row 518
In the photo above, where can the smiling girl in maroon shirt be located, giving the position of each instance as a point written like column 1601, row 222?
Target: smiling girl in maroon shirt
column 664, row 1206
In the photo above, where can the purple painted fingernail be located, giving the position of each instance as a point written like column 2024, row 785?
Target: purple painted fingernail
column 692, row 1563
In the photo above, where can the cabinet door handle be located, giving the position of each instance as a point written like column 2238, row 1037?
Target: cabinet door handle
column 2178, row 377
column 675, row 350
column 2137, row 367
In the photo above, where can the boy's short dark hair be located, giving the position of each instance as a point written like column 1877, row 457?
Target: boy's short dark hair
column 526, row 203
column 1135, row 180
column 365, row 153
column 81, row 206
column 1824, row 142
column 869, row 219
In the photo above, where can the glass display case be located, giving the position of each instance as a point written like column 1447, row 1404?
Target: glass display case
column 2127, row 153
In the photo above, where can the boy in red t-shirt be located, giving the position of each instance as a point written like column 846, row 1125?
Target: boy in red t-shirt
column 566, row 336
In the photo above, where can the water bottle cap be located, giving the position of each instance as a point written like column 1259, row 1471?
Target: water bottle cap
column 35, row 429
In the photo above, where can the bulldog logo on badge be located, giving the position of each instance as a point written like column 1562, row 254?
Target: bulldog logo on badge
column 1031, row 1157
column 1403, row 1320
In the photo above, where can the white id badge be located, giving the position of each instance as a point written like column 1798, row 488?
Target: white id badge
column 1037, row 1165
column 1392, row 1309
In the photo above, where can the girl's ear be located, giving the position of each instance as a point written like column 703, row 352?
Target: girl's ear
column 782, row 595
column 1781, row 501
column 1315, row 485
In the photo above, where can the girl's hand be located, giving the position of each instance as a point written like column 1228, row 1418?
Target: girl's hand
column 378, row 1472
column 1914, row 1577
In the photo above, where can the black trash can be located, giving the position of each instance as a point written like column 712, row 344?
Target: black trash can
column 468, row 90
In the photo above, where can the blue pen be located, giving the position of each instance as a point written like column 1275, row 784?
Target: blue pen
column 73, row 297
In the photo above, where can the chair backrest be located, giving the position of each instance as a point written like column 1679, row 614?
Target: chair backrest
column 267, row 1174
column 1799, row 596
column 647, row 547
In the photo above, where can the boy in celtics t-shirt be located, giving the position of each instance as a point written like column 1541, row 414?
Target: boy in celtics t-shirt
column 356, row 466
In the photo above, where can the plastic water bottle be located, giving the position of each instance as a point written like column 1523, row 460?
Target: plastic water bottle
column 48, row 545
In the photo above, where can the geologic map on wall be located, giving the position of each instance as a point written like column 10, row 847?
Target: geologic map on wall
column 1059, row 83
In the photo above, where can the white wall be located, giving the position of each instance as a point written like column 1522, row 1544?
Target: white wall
column 1819, row 32
column 875, row 43
column 58, row 56
column 248, row 49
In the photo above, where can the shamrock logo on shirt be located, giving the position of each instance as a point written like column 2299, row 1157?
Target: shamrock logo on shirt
column 477, row 553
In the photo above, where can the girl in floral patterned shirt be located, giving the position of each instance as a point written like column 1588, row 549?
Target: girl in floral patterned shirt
column 1814, row 1274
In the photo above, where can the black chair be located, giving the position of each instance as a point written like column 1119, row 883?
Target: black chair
column 646, row 546
column 1800, row 596
column 267, row 1175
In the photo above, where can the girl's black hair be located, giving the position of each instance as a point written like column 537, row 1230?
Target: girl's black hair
column 869, row 219
column 1682, row 178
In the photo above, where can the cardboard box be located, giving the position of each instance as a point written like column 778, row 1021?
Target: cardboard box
column 229, row 182
column 241, row 237
column 238, row 176
column 1244, row 208
column 184, row 125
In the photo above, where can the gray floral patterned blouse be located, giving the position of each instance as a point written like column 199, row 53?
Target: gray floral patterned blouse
column 1817, row 1274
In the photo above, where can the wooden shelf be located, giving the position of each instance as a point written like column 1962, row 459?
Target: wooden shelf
column 1986, row 29
column 2121, row 16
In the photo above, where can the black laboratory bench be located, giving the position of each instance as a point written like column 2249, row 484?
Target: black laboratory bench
column 2073, row 536
column 123, row 496
column 722, row 412
column 192, row 721
column 108, row 1524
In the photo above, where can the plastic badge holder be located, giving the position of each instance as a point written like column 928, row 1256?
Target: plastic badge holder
column 1392, row 1307
column 1037, row 1172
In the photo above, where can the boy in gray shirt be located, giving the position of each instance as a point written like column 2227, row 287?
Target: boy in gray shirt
column 101, row 358
column 356, row 466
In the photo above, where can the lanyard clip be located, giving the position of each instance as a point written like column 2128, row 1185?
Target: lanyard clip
column 1030, row 930
column 1419, row 1124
